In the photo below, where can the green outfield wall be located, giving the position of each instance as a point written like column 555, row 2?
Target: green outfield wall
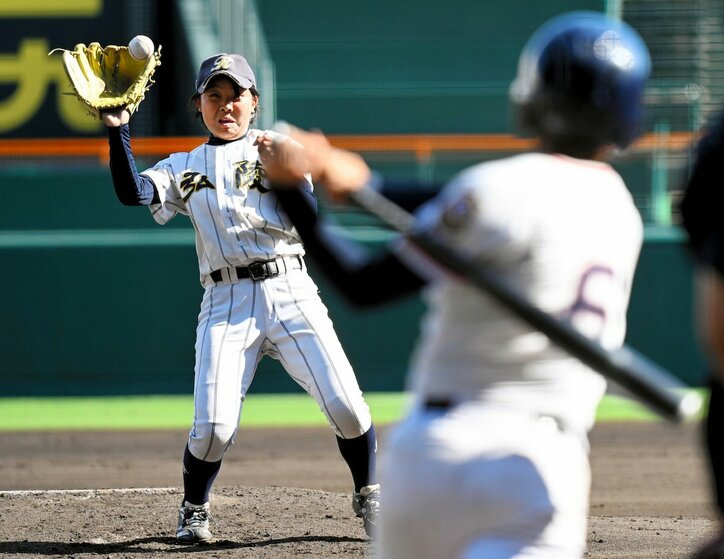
column 402, row 66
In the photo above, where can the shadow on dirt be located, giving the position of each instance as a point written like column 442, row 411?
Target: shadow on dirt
column 156, row 545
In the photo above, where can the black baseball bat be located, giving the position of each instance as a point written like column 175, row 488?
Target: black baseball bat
column 648, row 382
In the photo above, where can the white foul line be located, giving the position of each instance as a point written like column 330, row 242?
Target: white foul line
column 89, row 492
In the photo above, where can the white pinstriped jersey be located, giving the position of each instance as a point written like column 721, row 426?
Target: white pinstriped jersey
column 563, row 231
column 222, row 190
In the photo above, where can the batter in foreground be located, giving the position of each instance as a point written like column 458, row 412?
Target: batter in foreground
column 258, row 298
column 491, row 462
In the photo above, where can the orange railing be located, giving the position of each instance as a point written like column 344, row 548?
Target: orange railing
column 422, row 145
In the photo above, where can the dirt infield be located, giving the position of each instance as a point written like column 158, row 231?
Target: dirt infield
column 284, row 493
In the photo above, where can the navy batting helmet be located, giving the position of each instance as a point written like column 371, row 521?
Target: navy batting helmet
column 581, row 77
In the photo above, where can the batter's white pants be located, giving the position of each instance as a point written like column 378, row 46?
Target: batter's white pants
column 282, row 317
column 482, row 483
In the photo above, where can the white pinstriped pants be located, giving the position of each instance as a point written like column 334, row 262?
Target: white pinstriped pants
column 282, row 317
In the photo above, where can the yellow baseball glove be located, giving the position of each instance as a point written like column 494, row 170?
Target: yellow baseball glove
column 109, row 77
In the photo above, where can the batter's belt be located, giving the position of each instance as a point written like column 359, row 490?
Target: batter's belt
column 260, row 269
column 443, row 404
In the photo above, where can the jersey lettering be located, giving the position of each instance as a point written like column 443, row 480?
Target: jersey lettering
column 248, row 174
column 193, row 182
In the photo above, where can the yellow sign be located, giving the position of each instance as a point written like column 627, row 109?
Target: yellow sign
column 32, row 71
column 50, row 8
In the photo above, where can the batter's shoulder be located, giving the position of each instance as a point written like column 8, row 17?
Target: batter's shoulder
column 497, row 172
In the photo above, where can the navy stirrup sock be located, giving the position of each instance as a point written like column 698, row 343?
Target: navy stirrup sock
column 199, row 476
column 360, row 454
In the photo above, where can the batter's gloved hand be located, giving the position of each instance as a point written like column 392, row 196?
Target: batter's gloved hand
column 285, row 161
column 109, row 77
column 341, row 172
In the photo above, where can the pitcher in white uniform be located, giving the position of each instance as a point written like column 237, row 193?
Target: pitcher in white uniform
column 258, row 298
column 491, row 461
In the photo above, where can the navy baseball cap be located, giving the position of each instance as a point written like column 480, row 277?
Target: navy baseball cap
column 234, row 66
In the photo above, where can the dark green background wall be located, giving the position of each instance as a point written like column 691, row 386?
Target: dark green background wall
column 401, row 66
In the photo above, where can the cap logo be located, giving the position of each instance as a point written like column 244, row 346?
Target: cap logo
column 222, row 63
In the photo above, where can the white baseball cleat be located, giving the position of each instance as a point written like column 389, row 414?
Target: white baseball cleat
column 193, row 523
column 366, row 505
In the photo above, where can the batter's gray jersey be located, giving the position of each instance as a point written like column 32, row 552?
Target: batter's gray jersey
column 222, row 190
column 566, row 233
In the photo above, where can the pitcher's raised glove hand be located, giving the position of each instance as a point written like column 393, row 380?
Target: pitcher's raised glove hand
column 107, row 78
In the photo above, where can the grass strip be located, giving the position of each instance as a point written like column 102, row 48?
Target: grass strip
column 261, row 410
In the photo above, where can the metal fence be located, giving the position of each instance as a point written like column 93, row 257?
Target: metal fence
column 686, row 41
column 232, row 26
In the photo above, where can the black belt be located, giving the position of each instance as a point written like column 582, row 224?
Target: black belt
column 438, row 404
column 444, row 404
column 262, row 269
